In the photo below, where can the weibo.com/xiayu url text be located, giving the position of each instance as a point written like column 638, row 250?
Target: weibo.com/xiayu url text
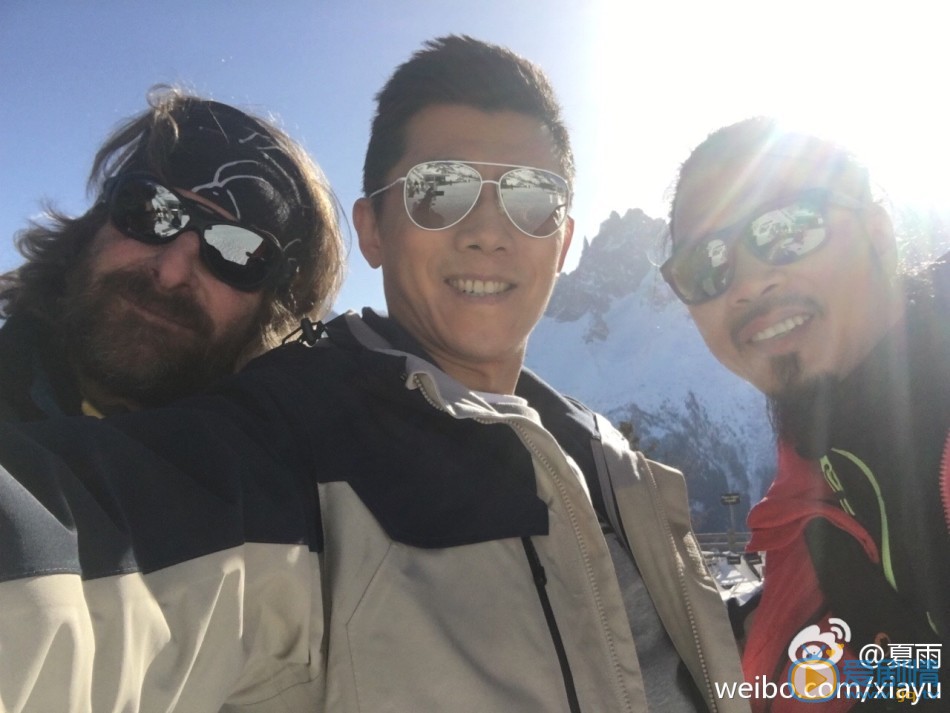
column 821, row 688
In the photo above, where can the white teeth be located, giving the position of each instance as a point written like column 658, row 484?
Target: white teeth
column 781, row 328
column 479, row 287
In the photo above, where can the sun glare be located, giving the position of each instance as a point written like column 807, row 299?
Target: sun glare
column 663, row 77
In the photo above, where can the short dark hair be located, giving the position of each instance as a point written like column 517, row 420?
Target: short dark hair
column 458, row 69
column 747, row 139
column 160, row 141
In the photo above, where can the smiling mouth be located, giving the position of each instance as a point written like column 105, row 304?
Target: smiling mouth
column 783, row 327
column 480, row 288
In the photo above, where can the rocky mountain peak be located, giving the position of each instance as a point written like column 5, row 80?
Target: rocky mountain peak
column 612, row 266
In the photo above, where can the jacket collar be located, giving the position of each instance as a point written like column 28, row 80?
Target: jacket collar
column 420, row 479
column 566, row 418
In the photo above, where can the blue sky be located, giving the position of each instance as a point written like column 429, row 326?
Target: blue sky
column 640, row 83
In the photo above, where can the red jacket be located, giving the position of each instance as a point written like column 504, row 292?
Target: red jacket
column 791, row 599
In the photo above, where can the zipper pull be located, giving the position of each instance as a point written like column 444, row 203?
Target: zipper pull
column 309, row 332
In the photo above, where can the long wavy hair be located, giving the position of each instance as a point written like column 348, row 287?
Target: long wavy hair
column 55, row 244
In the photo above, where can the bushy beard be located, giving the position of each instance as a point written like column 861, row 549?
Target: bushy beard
column 139, row 361
column 800, row 409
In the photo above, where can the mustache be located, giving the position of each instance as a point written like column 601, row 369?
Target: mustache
column 139, row 288
column 766, row 304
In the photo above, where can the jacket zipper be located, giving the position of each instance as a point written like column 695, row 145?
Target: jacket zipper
column 681, row 578
column 540, row 584
column 591, row 579
column 945, row 481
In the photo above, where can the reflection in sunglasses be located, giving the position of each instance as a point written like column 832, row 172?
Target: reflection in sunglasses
column 780, row 235
column 145, row 210
column 440, row 194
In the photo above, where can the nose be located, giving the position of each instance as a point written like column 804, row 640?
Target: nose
column 177, row 263
column 487, row 227
column 753, row 278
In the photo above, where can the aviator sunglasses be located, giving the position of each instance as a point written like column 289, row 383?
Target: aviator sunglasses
column 144, row 209
column 779, row 233
column 439, row 194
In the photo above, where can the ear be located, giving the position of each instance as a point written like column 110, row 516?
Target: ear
column 568, row 234
column 364, row 218
column 880, row 231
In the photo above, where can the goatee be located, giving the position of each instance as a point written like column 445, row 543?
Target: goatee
column 801, row 409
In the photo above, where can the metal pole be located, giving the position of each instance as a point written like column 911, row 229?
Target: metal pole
column 732, row 527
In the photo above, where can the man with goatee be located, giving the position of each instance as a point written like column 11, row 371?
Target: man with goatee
column 789, row 268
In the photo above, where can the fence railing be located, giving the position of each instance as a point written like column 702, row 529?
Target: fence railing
column 733, row 541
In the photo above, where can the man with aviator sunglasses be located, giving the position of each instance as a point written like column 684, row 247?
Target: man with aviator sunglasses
column 213, row 235
column 788, row 267
column 395, row 516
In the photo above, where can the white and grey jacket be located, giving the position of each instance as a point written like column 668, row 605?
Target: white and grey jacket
column 342, row 528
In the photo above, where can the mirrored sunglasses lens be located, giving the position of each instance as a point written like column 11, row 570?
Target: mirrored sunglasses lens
column 704, row 271
column 536, row 201
column 787, row 234
column 239, row 256
column 440, row 193
column 148, row 211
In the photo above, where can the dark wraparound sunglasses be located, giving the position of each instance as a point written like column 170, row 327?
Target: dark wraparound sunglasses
column 439, row 194
column 144, row 209
column 778, row 233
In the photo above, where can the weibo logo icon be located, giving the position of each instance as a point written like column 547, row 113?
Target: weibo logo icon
column 813, row 652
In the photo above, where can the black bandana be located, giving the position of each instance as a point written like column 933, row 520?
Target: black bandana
column 230, row 159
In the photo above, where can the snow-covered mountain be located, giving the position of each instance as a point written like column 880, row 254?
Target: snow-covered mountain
column 615, row 337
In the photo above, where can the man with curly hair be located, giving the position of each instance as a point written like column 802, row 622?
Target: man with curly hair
column 212, row 234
